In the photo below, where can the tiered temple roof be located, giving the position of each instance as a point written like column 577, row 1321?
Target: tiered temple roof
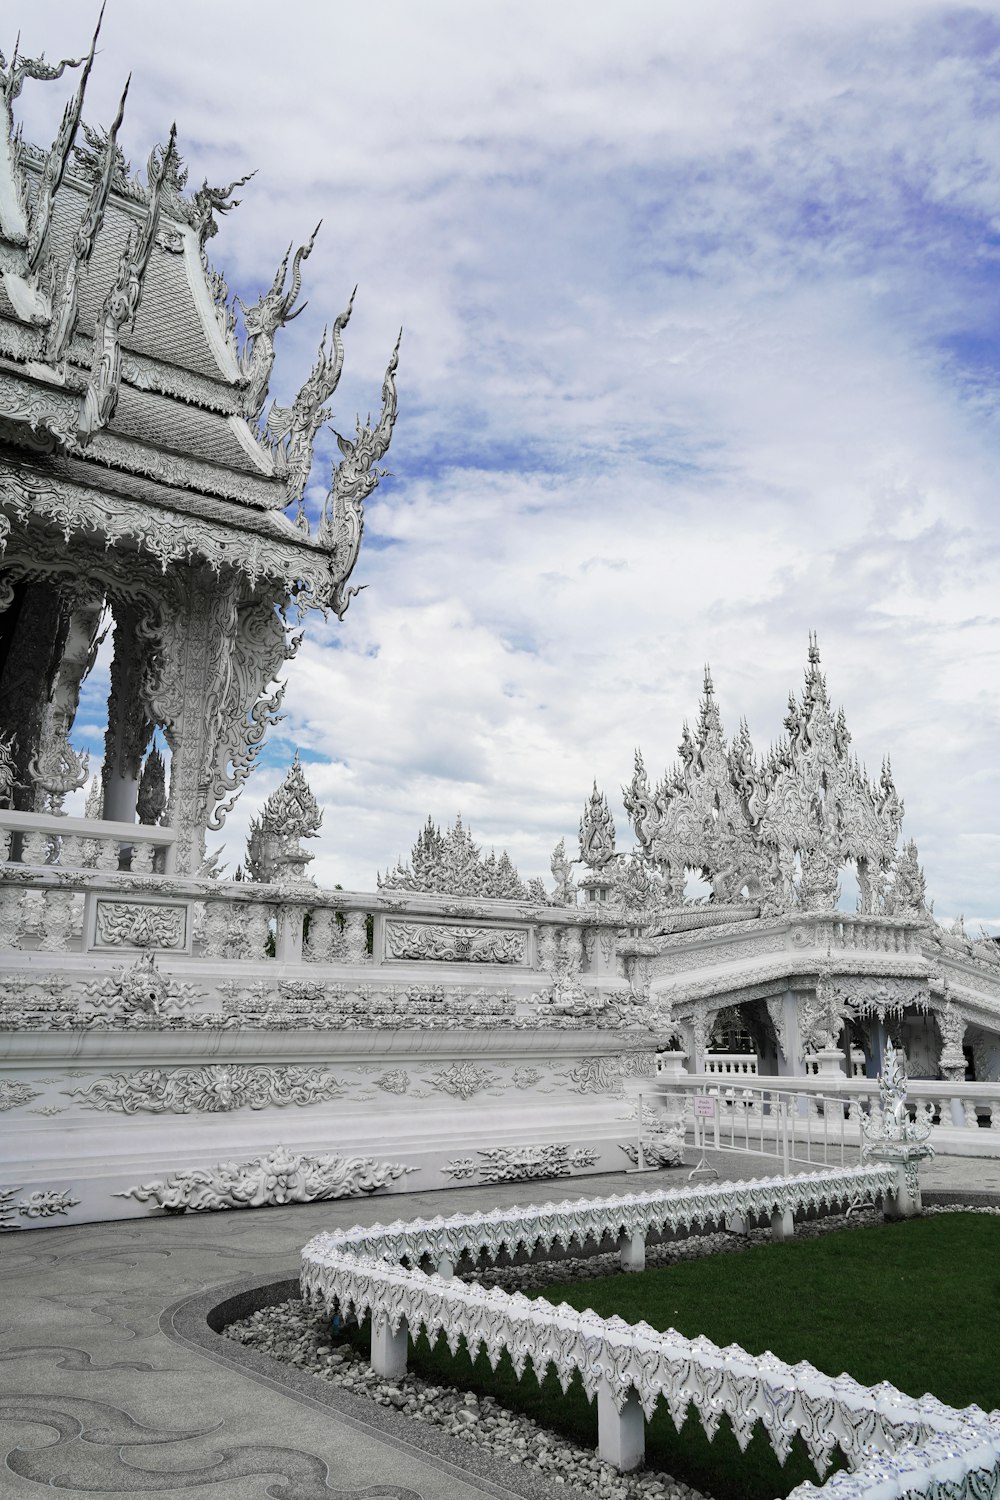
column 132, row 409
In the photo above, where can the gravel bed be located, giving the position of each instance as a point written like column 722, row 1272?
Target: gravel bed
column 299, row 1336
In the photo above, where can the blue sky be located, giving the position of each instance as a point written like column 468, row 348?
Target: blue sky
column 701, row 353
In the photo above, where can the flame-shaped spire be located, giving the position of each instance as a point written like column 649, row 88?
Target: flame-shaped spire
column 55, row 162
column 122, row 304
column 65, row 309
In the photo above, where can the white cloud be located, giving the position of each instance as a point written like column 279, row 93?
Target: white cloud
column 701, row 352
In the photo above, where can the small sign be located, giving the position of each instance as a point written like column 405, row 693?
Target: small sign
column 704, row 1107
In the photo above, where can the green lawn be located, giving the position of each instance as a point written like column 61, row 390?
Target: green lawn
column 916, row 1303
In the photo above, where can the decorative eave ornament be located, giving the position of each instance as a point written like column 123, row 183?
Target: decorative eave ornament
column 262, row 321
column 354, row 479
column 122, row 304
column 65, row 302
column 56, row 162
column 292, row 429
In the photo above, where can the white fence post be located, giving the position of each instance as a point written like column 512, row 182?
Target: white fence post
column 389, row 1350
column 621, row 1435
column 633, row 1251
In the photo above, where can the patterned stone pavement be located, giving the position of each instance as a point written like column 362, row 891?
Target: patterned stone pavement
column 112, row 1382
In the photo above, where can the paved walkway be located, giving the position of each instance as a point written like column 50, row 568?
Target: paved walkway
column 133, row 1394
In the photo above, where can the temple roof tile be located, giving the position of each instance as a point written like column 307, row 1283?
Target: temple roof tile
column 166, row 423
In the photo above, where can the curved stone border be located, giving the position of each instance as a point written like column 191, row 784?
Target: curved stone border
column 197, row 1322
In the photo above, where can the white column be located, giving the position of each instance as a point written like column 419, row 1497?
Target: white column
column 633, row 1251
column 389, row 1350
column 621, row 1435
column 782, row 1224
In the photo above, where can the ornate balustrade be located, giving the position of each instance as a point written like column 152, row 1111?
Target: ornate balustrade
column 82, row 885
column 630, row 1369
column 777, row 1105
column 63, row 843
column 726, row 1063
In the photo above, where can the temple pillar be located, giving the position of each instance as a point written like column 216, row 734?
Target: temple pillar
column 32, row 637
column 129, row 726
column 185, row 703
column 78, row 655
column 786, row 1018
column 878, row 1037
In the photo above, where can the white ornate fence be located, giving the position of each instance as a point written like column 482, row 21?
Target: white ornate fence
column 632, row 1368
column 816, row 1121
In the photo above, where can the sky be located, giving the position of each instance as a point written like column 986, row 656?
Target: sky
column 701, row 352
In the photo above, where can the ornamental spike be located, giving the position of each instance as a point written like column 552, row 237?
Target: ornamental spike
column 55, row 162
column 65, row 310
column 354, row 479
column 121, row 305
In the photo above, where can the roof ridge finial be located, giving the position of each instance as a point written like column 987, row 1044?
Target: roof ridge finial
column 55, row 162
column 66, row 307
column 122, row 303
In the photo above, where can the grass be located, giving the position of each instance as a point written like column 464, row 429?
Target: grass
column 916, row 1303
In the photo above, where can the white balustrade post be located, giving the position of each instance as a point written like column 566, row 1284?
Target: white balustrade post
column 389, row 1350
column 736, row 1224
column 446, row 1267
column 289, row 944
column 621, row 1435
column 905, row 1203
column 633, row 1251
column 782, row 1225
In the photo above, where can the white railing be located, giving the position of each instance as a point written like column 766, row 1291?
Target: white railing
column 96, row 901
column 631, row 1369
column 731, row 1062
column 958, row 1465
column 817, row 1120
column 790, row 1125
column 45, row 839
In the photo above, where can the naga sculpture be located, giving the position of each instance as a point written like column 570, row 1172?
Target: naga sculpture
column 56, row 162
column 121, row 305
column 262, row 321
column 354, row 479
column 66, row 302
column 292, row 429
column 209, row 201
column 13, row 74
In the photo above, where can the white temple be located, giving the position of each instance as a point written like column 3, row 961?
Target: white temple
column 173, row 1039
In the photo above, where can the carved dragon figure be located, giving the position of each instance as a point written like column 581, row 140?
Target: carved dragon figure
column 354, row 479
column 121, row 305
column 13, row 75
column 66, row 306
column 292, row 429
column 262, row 321
column 56, row 161
column 209, row 201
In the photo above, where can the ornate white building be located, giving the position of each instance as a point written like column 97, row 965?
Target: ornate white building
column 172, row 1039
column 769, row 954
